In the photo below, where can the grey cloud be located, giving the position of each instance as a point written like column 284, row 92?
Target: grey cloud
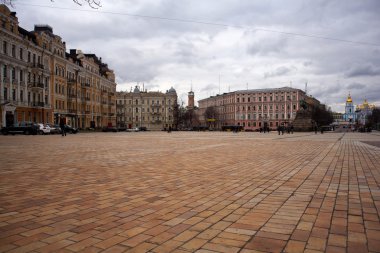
column 209, row 87
column 356, row 86
column 363, row 70
column 280, row 71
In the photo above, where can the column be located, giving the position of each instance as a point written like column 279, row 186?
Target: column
column 10, row 84
column 18, row 87
column 1, row 82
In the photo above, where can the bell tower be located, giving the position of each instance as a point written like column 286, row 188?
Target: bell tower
column 190, row 100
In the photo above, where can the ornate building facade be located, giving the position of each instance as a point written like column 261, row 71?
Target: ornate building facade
column 349, row 111
column 256, row 108
column 363, row 111
column 140, row 108
column 40, row 82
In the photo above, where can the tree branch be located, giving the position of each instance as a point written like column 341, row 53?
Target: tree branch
column 95, row 4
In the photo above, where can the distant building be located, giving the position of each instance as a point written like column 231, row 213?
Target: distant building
column 349, row 115
column 153, row 110
column 363, row 111
column 338, row 118
column 254, row 109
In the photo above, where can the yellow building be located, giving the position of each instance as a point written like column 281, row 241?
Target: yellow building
column 152, row 110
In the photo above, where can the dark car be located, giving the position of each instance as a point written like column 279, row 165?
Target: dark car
column 109, row 129
column 143, row 129
column 70, row 129
column 22, row 128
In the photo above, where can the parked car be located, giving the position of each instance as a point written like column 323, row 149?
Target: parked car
column 70, row 129
column 22, row 128
column 143, row 129
column 134, row 129
column 43, row 129
column 109, row 129
column 54, row 129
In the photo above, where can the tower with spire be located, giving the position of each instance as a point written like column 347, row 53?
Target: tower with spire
column 190, row 99
column 349, row 112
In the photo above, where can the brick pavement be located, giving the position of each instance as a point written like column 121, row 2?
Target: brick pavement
column 190, row 192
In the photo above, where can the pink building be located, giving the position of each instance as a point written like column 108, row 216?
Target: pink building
column 253, row 109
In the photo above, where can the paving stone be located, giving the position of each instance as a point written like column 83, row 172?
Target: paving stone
column 189, row 192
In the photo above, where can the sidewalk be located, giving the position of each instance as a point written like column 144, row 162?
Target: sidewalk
column 190, row 192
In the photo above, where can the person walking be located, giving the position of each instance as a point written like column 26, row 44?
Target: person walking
column 62, row 126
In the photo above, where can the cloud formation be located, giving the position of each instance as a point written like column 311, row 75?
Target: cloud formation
column 242, row 43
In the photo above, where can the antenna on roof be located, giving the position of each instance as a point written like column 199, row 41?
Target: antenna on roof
column 306, row 88
column 219, row 83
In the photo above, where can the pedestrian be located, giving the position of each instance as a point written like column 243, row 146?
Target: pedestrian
column 279, row 130
column 315, row 129
column 291, row 129
column 282, row 130
column 62, row 126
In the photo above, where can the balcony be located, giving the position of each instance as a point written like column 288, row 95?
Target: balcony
column 72, row 111
column 36, row 85
column 6, row 79
column 71, row 81
column 35, row 65
column 156, row 105
column 37, row 104
column 155, row 113
column 156, row 121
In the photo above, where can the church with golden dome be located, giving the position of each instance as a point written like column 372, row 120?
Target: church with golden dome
column 349, row 112
column 363, row 111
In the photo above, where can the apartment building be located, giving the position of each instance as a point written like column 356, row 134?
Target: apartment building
column 40, row 82
column 140, row 108
column 253, row 108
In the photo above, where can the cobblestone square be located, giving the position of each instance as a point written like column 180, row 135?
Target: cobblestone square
column 190, row 192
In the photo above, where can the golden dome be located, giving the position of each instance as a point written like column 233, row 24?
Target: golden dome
column 349, row 99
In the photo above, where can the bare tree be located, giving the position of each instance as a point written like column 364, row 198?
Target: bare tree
column 95, row 4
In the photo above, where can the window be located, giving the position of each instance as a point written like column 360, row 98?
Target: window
column 21, row 54
column 13, row 51
column 5, row 49
column 21, row 95
column 5, row 70
column 13, row 94
column 21, row 75
column 5, row 93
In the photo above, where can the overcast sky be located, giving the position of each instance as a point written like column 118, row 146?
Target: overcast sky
column 238, row 53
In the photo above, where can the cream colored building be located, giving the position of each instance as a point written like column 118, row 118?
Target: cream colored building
column 254, row 108
column 153, row 110
column 39, row 81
